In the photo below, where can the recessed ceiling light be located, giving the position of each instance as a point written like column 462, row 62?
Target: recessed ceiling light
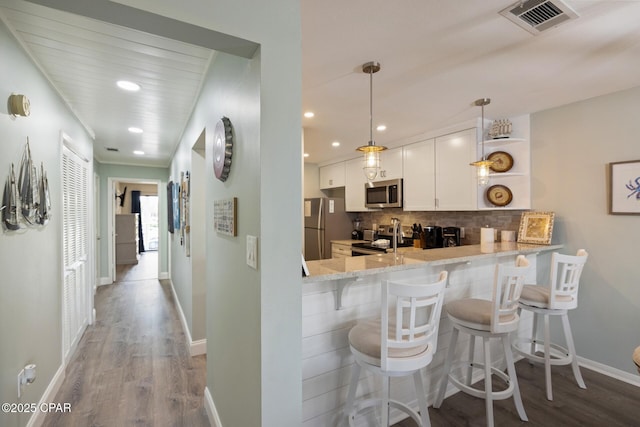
column 335, row 144
column 309, row 114
column 381, row 128
column 127, row 85
column 306, row 154
column 133, row 129
column 138, row 153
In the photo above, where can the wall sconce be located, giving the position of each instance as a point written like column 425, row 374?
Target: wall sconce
column 18, row 105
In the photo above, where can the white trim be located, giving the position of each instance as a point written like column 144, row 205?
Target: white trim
column 105, row 281
column 164, row 275
column 38, row 417
column 610, row 371
column 198, row 347
column 210, row 407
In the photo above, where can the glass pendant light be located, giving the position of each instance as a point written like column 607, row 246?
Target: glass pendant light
column 483, row 165
column 371, row 151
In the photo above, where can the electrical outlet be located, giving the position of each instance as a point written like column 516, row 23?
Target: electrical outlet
column 252, row 251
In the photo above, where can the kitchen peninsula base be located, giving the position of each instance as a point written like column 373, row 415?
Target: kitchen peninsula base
column 327, row 360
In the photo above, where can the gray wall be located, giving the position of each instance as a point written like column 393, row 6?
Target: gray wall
column 571, row 147
column 31, row 260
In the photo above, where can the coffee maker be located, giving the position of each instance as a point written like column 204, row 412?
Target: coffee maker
column 450, row 236
column 433, row 236
column 357, row 233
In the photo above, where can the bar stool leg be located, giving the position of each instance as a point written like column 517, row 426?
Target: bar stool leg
column 447, row 368
column 351, row 396
column 547, row 357
column 534, row 337
column 472, row 345
column 487, row 381
column 511, row 369
column 572, row 350
column 422, row 399
column 385, row 401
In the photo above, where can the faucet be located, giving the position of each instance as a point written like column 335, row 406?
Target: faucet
column 397, row 228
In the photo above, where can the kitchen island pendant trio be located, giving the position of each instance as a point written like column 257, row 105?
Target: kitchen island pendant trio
column 483, row 165
column 371, row 151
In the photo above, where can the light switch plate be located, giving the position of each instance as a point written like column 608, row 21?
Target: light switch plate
column 252, row 251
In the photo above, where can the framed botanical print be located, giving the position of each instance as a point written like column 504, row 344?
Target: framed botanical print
column 536, row 227
column 625, row 188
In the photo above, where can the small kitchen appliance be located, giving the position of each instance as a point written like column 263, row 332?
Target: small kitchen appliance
column 450, row 236
column 433, row 236
column 357, row 233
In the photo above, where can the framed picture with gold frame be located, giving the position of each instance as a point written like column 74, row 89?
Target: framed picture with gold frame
column 536, row 227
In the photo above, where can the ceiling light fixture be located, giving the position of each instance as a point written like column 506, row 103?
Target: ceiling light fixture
column 371, row 150
column 127, row 85
column 306, row 154
column 335, row 144
column 381, row 128
column 138, row 153
column 309, row 114
column 482, row 165
column 133, row 129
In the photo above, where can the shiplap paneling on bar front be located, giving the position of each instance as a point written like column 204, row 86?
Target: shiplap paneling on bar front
column 327, row 360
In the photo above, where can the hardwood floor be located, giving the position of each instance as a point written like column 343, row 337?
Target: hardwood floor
column 605, row 402
column 132, row 367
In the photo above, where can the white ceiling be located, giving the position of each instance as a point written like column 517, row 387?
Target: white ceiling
column 437, row 57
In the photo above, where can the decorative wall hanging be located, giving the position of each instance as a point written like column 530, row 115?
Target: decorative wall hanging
column 186, row 227
column 176, row 206
column 225, row 216
column 222, row 148
column 44, row 208
column 28, row 187
column 10, row 203
column 625, row 188
column 170, row 205
column 536, row 227
column 19, row 105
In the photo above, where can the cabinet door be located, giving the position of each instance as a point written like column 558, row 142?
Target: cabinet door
column 390, row 164
column 354, row 186
column 455, row 178
column 419, row 176
column 332, row 176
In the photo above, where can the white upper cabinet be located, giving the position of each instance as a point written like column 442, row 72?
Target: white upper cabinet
column 514, row 183
column 390, row 164
column 419, row 176
column 354, row 186
column 332, row 176
column 456, row 188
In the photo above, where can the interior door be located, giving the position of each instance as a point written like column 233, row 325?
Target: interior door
column 75, row 229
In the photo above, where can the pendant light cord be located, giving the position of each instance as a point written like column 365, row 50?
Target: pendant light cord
column 371, row 142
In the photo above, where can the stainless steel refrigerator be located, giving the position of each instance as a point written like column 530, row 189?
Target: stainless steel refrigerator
column 324, row 220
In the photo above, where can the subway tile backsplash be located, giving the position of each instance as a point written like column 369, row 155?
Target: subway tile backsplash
column 472, row 221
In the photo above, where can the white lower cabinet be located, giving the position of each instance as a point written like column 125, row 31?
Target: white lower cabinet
column 339, row 250
column 437, row 174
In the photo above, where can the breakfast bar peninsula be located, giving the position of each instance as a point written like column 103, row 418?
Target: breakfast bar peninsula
column 340, row 291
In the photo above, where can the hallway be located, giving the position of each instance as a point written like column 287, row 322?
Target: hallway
column 132, row 367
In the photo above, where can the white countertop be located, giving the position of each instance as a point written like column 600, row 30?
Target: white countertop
column 410, row 258
column 348, row 242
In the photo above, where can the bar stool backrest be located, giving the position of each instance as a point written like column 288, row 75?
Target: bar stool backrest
column 507, row 287
column 565, row 279
column 411, row 324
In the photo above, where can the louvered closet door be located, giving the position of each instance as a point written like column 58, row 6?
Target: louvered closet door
column 75, row 229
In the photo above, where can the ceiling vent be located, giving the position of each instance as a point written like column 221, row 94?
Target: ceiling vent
column 112, row 149
column 536, row 16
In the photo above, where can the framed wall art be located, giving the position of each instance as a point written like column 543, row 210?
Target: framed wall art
column 536, row 227
column 225, row 216
column 624, row 193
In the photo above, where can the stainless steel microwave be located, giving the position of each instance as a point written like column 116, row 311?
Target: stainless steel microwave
column 383, row 194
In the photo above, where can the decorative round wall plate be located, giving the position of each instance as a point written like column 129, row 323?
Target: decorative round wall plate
column 502, row 161
column 499, row 195
column 222, row 148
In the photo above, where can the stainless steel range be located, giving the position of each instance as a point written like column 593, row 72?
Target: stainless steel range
column 383, row 241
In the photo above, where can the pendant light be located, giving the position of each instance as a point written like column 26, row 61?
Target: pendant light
column 371, row 151
column 483, row 165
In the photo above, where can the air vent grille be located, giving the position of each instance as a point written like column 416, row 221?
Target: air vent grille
column 112, row 149
column 536, row 16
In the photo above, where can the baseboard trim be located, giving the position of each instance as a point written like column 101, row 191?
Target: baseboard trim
column 610, row 371
column 163, row 276
column 195, row 347
column 105, row 281
column 210, row 407
column 38, row 417
column 198, row 347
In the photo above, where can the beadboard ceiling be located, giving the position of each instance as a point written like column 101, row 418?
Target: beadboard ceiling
column 437, row 57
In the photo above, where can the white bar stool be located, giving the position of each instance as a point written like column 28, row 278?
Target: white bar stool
column 398, row 346
column 554, row 299
column 488, row 319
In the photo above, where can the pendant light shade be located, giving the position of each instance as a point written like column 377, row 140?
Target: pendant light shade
column 483, row 165
column 371, row 162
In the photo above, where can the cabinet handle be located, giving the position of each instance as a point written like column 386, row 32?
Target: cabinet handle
column 330, row 182
column 437, row 202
